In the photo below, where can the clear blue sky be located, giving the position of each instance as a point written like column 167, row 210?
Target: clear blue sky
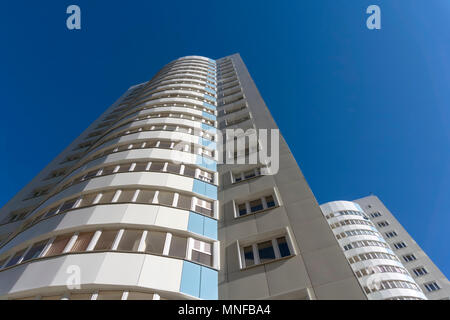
column 363, row 111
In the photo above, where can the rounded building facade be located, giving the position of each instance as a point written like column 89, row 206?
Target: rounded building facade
column 378, row 270
column 134, row 215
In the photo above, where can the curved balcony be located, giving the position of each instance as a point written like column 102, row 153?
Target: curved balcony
column 144, row 272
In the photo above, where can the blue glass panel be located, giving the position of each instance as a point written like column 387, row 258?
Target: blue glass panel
column 208, row 128
column 190, row 279
column 209, row 106
column 211, row 191
column 209, row 116
column 208, row 143
column 209, row 284
column 210, row 228
column 209, row 97
column 196, row 223
column 206, row 163
column 210, row 90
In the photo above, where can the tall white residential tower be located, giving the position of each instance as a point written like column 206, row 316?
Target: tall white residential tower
column 378, row 269
column 129, row 210
column 426, row 274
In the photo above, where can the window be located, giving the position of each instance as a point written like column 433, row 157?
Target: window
column 256, row 205
column 87, row 200
column 409, row 257
column 106, row 240
column 15, row 216
column 90, row 174
column 122, row 148
column 165, row 144
column 206, row 152
column 35, row 250
column 392, row 284
column 108, row 170
column 82, row 242
column 266, row 251
column 171, row 128
column 372, row 255
column 140, row 166
column 431, row 286
column 140, row 296
column 58, row 245
column 16, row 257
column 242, row 208
column 154, row 242
column 190, row 172
column 391, row 234
column 126, row 196
column 2, row 262
column 270, row 201
column 107, row 197
column 55, row 297
column 145, row 196
column 72, row 158
column 157, row 166
column 39, row 192
column 205, row 207
column 375, row 214
column 248, row 256
column 383, row 224
column 178, row 247
column 109, row 295
column 173, row 168
column 399, row 245
column 348, row 212
column 95, row 133
column 130, row 240
column 245, row 175
column 80, row 296
column 56, row 173
column 249, row 174
column 184, row 202
column 67, row 205
column 205, row 176
column 124, row 168
column 420, row 271
column 202, row 252
column 165, row 198
column 380, row 269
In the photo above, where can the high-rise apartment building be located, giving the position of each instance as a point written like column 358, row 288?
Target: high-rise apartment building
column 274, row 240
column 379, row 271
column 425, row 273
column 129, row 210
column 142, row 205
